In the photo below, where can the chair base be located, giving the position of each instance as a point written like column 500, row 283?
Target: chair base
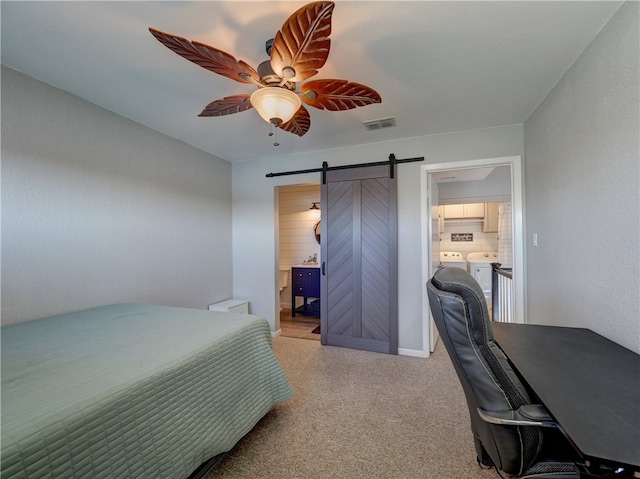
column 482, row 457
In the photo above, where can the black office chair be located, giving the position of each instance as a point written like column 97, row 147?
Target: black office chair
column 510, row 432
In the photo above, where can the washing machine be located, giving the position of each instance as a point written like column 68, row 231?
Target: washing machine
column 452, row 259
column 479, row 266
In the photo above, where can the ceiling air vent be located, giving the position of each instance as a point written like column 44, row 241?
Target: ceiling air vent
column 379, row 124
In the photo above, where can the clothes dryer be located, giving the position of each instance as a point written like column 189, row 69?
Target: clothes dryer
column 479, row 266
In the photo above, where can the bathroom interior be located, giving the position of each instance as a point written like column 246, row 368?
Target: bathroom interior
column 299, row 246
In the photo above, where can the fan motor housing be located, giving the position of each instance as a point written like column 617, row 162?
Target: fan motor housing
column 269, row 78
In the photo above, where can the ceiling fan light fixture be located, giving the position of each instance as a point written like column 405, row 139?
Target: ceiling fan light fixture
column 274, row 104
column 296, row 53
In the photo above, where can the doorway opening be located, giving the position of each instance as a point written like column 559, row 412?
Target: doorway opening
column 459, row 184
column 298, row 216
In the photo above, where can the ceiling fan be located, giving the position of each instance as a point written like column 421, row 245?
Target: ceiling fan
column 298, row 50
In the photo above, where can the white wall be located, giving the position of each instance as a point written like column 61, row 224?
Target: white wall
column 481, row 241
column 496, row 186
column 255, row 263
column 98, row 209
column 582, row 182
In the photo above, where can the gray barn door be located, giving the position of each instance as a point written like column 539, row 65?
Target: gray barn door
column 359, row 285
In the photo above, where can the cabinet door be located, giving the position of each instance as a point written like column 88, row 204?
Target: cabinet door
column 453, row 211
column 297, row 279
column 490, row 224
column 312, row 282
column 474, row 210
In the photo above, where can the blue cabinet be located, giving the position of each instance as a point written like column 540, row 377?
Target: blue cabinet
column 305, row 282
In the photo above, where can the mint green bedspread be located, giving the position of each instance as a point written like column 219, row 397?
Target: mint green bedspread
column 132, row 391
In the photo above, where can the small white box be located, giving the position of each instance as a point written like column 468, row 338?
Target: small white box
column 231, row 306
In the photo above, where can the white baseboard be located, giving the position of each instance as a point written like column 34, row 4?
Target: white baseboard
column 413, row 352
column 401, row 351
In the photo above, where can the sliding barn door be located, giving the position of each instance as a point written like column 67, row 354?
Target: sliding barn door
column 359, row 303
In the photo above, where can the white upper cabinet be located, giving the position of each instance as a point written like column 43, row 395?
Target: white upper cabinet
column 469, row 210
column 490, row 223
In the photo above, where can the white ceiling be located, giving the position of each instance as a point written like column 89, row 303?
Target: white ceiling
column 464, row 174
column 439, row 66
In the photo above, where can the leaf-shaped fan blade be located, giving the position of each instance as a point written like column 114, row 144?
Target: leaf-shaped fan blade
column 299, row 124
column 303, row 43
column 208, row 57
column 337, row 95
column 227, row 106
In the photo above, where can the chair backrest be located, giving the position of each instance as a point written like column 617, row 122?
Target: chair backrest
column 460, row 312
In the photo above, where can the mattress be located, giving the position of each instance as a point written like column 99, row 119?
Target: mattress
column 132, row 390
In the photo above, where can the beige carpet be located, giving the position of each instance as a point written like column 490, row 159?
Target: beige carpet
column 360, row 415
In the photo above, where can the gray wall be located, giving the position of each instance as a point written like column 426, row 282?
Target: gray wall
column 582, row 180
column 98, row 209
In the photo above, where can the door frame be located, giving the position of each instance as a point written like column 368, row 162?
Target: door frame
column 515, row 162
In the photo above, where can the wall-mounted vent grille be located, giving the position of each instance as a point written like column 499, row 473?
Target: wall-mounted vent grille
column 379, row 124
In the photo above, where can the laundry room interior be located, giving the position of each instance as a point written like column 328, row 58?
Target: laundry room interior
column 474, row 221
column 469, row 227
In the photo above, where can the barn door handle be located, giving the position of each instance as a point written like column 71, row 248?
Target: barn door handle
column 323, row 274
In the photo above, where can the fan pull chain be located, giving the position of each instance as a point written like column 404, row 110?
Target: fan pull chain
column 275, row 143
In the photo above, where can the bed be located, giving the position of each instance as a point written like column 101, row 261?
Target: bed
column 132, row 390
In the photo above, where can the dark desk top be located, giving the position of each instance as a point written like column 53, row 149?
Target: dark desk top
column 589, row 384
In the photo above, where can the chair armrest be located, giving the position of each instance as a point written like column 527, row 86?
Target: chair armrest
column 527, row 415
